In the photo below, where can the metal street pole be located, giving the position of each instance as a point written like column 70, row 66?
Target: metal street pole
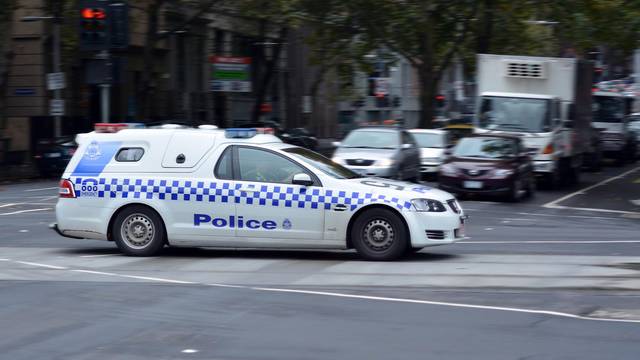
column 105, row 88
column 57, row 124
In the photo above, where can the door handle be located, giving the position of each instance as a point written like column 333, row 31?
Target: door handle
column 339, row 207
column 249, row 189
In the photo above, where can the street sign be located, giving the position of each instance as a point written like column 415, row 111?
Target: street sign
column 56, row 107
column 230, row 74
column 306, row 104
column 382, row 86
column 55, row 81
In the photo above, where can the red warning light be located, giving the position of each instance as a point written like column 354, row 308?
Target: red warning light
column 440, row 97
column 90, row 13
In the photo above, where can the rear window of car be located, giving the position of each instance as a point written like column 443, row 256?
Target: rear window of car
column 129, row 154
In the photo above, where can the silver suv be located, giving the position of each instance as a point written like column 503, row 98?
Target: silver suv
column 380, row 151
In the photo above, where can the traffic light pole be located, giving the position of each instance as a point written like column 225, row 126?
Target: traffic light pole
column 105, row 88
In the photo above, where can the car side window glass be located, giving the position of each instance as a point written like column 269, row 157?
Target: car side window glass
column 224, row 169
column 129, row 154
column 407, row 138
column 264, row 166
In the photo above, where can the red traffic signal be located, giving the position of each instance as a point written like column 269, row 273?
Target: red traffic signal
column 93, row 13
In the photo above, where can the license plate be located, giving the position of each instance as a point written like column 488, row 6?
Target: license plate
column 52, row 155
column 473, row 184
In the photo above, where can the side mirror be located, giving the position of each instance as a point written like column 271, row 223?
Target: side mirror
column 335, row 143
column 302, row 179
column 448, row 151
column 406, row 146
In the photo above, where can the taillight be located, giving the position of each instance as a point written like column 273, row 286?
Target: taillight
column 66, row 189
column 548, row 149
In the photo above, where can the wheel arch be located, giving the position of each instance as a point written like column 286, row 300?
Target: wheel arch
column 126, row 206
column 363, row 209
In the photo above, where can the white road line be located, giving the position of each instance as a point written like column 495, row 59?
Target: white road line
column 10, row 204
column 24, row 211
column 5, row 259
column 42, row 265
column 134, row 276
column 554, row 204
column 571, row 216
column 552, row 242
column 352, row 296
column 594, row 209
column 443, row 303
column 42, row 189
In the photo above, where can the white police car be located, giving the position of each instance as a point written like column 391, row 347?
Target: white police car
column 147, row 188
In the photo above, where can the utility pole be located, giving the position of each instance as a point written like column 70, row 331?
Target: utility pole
column 57, row 122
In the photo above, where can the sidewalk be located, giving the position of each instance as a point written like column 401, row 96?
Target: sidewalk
column 14, row 173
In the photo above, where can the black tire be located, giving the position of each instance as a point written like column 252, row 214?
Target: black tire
column 143, row 219
column 531, row 188
column 385, row 224
column 514, row 191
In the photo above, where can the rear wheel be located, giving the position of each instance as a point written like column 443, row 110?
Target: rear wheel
column 138, row 231
column 380, row 235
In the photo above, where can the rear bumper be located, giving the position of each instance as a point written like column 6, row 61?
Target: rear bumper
column 54, row 227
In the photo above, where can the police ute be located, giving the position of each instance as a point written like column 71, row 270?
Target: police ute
column 241, row 188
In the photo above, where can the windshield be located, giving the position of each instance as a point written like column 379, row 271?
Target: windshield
column 372, row 139
column 485, row 147
column 515, row 114
column 429, row 140
column 608, row 109
column 634, row 124
column 321, row 163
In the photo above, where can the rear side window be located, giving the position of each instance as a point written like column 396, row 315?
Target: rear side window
column 224, row 169
column 129, row 154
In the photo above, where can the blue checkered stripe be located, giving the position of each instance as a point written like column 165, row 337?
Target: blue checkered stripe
column 224, row 192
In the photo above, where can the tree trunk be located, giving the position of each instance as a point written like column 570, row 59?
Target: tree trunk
column 483, row 40
column 428, row 86
column 265, row 72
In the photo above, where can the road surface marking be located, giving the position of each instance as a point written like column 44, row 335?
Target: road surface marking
column 10, row 204
column 189, row 351
column 571, row 216
column 552, row 242
column 554, row 204
column 488, row 228
column 352, row 296
column 5, row 259
column 42, row 265
column 635, row 202
column 24, row 211
column 443, row 303
column 42, row 189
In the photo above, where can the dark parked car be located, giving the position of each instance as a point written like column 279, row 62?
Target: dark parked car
column 489, row 164
column 52, row 155
column 300, row 137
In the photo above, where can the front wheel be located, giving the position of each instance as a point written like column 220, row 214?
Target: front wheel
column 138, row 231
column 380, row 235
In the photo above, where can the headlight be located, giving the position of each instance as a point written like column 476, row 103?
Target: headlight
column 428, row 205
column 501, row 173
column 385, row 162
column 448, row 170
column 338, row 160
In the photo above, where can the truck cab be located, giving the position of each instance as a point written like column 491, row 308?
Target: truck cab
column 545, row 101
column 611, row 116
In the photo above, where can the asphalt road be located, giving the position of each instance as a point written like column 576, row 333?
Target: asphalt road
column 555, row 277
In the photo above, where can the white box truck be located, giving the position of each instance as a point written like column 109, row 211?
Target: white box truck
column 611, row 111
column 547, row 101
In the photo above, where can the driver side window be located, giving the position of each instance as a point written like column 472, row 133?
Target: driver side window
column 264, row 166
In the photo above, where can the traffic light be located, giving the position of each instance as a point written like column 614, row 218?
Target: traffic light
column 94, row 25
column 382, row 100
column 440, row 101
column 119, row 25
